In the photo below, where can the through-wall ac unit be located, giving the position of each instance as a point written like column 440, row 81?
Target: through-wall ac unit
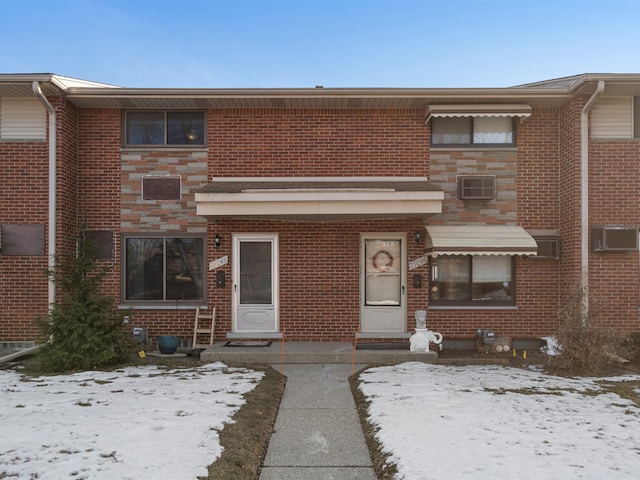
column 548, row 247
column 614, row 238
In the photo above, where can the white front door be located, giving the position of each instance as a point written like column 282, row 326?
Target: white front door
column 382, row 286
column 255, row 283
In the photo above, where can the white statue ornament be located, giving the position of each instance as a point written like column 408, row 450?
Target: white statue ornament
column 421, row 340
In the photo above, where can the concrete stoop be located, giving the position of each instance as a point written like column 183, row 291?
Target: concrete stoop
column 311, row 352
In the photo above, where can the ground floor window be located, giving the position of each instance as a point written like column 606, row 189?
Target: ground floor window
column 472, row 280
column 163, row 269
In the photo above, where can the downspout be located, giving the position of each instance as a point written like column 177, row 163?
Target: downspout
column 52, row 188
column 584, row 199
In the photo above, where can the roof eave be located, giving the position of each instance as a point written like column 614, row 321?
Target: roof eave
column 349, row 98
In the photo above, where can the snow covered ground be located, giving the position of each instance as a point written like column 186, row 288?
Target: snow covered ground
column 471, row 422
column 133, row 423
column 483, row 422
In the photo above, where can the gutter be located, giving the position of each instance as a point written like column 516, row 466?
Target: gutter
column 428, row 94
column 318, row 92
column 584, row 199
column 52, row 226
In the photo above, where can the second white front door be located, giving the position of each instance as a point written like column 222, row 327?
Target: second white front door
column 382, row 285
column 255, row 283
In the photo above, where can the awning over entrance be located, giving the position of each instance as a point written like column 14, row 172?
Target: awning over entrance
column 479, row 110
column 319, row 198
column 479, row 240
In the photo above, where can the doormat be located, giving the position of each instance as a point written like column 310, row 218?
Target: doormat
column 383, row 346
column 247, row 343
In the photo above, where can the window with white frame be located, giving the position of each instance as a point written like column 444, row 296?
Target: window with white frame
column 171, row 128
column 472, row 131
column 163, row 269
column 472, row 280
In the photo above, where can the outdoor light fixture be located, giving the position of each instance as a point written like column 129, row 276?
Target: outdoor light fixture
column 417, row 237
column 217, row 241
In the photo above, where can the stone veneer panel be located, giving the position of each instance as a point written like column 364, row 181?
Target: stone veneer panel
column 162, row 215
column 446, row 165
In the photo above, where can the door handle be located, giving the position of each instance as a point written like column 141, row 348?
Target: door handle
column 402, row 290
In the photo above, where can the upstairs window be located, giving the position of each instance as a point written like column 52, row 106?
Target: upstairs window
column 473, row 131
column 165, row 128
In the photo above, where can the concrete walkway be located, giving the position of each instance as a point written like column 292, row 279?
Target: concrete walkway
column 317, row 434
column 312, row 352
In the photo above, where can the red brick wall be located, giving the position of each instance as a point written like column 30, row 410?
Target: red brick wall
column 538, row 196
column 319, row 262
column 614, row 278
column 538, row 170
column 569, row 198
column 25, row 199
column 526, row 195
column 99, row 143
column 67, row 173
column 319, row 274
column 446, row 165
column 319, row 270
column 248, row 142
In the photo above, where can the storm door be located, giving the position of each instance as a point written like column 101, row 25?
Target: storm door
column 382, row 286
column 255, row 283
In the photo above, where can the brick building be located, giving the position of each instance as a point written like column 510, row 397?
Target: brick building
column 319, row 212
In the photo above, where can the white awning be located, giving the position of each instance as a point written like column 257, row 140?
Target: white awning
column 479, row 240
column 479, row 110
column 319, row 198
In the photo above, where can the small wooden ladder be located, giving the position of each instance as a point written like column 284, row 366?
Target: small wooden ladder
column 203, row 328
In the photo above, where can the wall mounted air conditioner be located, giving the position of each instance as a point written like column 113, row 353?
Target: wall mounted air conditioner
column 614, row 238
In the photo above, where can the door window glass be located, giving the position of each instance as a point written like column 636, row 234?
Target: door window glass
column 382, row 264
column 255, row 273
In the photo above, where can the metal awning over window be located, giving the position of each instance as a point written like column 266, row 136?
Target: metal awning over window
column 479, row 240
column 319, row 198
column 486, row 110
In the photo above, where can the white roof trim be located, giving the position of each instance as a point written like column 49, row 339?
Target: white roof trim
column 479, row 110
column 479, row 240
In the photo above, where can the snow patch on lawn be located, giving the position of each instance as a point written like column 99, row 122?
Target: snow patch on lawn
column 480, row 422
column 133, row 423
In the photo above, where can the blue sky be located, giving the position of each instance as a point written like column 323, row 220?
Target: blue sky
column 304, row 43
